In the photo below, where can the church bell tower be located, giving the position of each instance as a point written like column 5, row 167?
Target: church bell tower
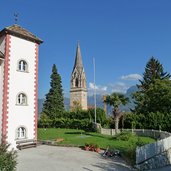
column 78, row 90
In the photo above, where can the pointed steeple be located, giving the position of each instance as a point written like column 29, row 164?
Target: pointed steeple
column 78, row 90
column 78, row 60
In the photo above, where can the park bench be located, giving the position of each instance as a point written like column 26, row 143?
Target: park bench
column 22, row 144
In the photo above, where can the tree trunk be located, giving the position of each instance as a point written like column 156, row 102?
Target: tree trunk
column 116, row 124
column 117, row 115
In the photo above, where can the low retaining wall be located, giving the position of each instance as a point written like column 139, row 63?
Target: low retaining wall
column 154, row 155
column 156, row 134
column 142, row 132
column 108, row 131
column 150, row 156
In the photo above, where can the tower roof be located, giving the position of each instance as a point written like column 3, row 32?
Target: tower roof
column 18, row 31
column 78, row 60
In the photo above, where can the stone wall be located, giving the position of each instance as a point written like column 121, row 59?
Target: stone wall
column 158, row 161
column 156, row 134
column 108, row 131
column 150, row 156
column 154, row 155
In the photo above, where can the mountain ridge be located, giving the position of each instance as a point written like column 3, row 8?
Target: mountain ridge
column 99, row 101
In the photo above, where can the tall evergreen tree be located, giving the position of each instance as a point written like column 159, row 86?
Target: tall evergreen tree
column 153, row 70
column 54, row 102
column 154, row 73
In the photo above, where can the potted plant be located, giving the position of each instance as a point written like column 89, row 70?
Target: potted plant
column 86, row 147
column 97, row 148
column 91, row 147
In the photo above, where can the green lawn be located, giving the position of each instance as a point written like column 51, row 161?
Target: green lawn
column 79, row 138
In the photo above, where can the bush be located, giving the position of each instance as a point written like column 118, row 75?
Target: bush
column 7, row 158
column 79, row 119
column 124, row 136
column 83, row 124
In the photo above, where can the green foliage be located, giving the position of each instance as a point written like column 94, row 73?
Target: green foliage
column 124, row 136
column 116, row 99
column 157, row 121
column 83, row 124
column 154, row 90
column 53, row 106
column 153, row 100
column 140, row 143
column 153, row 70
column 151, row 120
column 133, row 120
column 74, row 119
column 7, row 158
column 100, row 116
column 44, row 121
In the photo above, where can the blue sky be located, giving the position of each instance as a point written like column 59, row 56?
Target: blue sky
column 120, row 34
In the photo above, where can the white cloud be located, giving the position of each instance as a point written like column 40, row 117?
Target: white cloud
column 131, row 77
column 91, row 86
column 99, row 89
column 119, row 87
column 108, row 89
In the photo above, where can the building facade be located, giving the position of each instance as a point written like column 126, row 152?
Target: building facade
column 18, row 84
column 78, row 90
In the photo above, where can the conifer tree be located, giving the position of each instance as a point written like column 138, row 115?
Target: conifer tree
column 54, row 102
column 153, row 76
column 153, row 70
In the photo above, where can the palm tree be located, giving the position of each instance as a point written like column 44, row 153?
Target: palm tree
column 115, row 100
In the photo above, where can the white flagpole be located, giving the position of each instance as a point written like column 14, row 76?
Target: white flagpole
column 94, row 91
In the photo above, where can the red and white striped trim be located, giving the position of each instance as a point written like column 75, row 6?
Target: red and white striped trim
column 36, row 91
column 5, row 100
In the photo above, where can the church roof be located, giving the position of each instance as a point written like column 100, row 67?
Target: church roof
column 1, row 55
column 18, row 31
column 78, row 60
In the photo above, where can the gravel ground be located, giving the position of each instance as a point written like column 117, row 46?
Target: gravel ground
column 55, row 158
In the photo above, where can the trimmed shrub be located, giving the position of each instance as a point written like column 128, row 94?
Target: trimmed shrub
column 124, row 136
column 7, row 158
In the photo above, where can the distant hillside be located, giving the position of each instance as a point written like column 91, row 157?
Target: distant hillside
column 99, row 101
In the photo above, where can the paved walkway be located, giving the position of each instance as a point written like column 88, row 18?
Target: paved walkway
column 54, row 158
column 167, row 168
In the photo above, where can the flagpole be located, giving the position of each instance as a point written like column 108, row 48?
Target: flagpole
column 94, row 91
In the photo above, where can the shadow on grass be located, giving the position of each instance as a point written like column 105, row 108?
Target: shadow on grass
column 75, row 133
column 97, row 135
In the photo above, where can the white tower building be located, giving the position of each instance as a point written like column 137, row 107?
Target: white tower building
column 18, row 84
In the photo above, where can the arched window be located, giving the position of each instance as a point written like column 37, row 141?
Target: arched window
column 21, row 133
column 22, row 99
column 76, row 82
column 22, row 66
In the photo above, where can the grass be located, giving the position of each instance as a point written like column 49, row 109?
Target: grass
column 80, row 137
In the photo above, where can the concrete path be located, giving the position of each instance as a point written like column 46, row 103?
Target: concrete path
column 54, row 158
column 167, row 168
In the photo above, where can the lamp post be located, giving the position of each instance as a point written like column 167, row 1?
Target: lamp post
column 94, row 91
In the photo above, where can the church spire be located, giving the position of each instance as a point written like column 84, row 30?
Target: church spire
column 78, row 60
column 78, row 90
